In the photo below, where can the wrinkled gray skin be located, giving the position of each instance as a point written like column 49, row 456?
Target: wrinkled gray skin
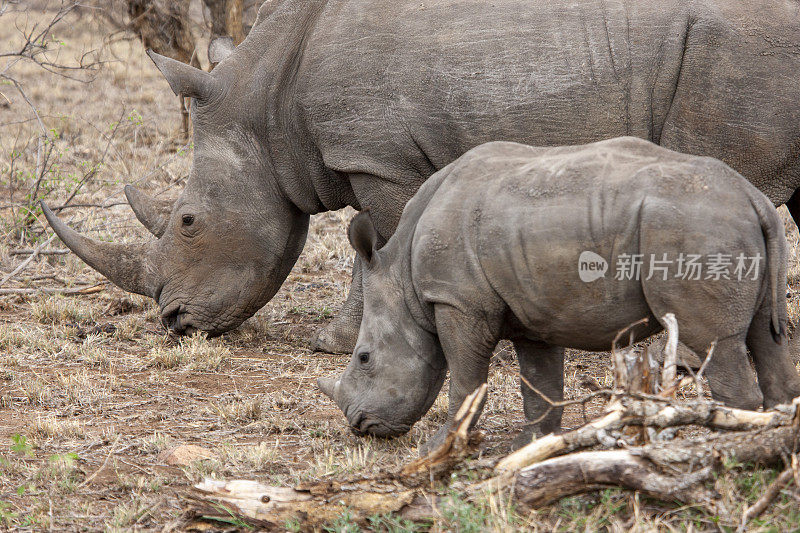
column 344, row 102
column 489, row 249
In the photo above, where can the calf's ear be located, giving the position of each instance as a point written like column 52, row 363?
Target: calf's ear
column 363, row 235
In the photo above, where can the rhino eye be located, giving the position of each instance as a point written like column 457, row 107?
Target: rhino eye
column 363, row 357
column 187, row 220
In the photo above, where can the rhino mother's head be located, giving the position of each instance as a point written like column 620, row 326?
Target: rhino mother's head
column 229, row 241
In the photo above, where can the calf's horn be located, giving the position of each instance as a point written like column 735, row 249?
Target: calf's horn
column 154, row 215
column 126, row 265
column 329, row 387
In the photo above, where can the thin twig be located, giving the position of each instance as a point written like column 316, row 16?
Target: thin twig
column 622, row 332
column 755, row 510
column 102, row 466
column 566, row 403
column 697, row 378
column 30, row 258
column 93, row 170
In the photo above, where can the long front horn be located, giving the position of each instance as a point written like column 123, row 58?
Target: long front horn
column 126, row 265
column 154, row 215
column 185, row 79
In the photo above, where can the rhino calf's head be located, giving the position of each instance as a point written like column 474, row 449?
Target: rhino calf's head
column 397, row 367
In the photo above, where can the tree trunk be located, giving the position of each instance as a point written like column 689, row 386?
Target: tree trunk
column 164, row 27
column 226, row 19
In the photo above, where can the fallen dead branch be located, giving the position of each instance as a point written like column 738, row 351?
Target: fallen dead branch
column 28, row 251
column 637, row 430
column 669, row 471
column 627, row 411
column 27, row 261
column 556, row 478
column 56, row 290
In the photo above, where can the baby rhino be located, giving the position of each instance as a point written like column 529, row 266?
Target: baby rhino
column 563, row 247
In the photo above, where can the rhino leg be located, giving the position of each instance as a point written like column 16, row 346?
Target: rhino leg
column 467, row 343
column 729, row 374
column 777, row 375
column 341, row 334
column 542, row 366
column 793, row 204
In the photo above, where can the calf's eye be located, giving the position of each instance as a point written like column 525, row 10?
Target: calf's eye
column 363, row 357
column 188, row 220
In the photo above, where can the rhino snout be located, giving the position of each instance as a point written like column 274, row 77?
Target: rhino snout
column 177, row 321
column 362, row 423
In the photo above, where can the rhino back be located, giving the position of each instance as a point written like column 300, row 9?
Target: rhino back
column 400, row 89
column 737, row 95
column 519, row 240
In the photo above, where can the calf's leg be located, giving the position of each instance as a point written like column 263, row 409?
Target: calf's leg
column 777, row 375
column 730, row 377
column 467, row 343
column 542, row 365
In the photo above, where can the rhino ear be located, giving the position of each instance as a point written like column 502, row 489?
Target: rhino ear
column 185, row 79
column 363, row 235
column 220, row 48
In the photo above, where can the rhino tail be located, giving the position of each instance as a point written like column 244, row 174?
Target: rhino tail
column 777, row 257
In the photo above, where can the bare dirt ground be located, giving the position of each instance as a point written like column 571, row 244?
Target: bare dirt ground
column 93, row 390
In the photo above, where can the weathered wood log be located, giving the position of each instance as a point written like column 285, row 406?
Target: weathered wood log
column 628, row 411
column 670, row 351
column 268, row 506
column 322, row 501
column 668, row 471
column 552, row 444
column 556, row 478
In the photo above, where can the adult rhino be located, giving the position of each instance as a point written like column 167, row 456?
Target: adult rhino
column 330, row 103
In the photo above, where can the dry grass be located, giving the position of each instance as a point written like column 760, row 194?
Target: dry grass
column 240, row 411
column 192, row 353
column 55, row 310
column 250, row 457
column 87, row 381
column 50, row 427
